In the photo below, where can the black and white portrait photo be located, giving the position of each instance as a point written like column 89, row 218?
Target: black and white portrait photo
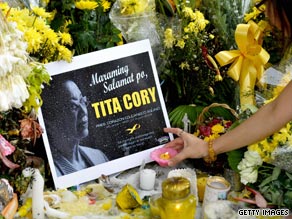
column 102, row 113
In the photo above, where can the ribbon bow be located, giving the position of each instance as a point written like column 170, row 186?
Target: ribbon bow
column 247, row 62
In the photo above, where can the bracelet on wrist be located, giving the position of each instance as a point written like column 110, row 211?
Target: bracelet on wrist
column 211, row 157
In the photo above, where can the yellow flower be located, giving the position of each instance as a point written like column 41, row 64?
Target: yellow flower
column 185, row 65
column 188, row 12
column 169, row 38
column 33, row 39
column 64, row 53
column 41, row 12
column 129, row 7
column 66, row 38
column 253, row 15
column 86, row 5
column 106, row 5
column 216, row 129
column 181, row 43
column 218, row 77
column 120, row 35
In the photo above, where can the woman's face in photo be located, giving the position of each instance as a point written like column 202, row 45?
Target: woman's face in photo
column 75, row 112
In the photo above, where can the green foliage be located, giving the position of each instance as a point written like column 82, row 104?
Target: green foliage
column 177, row 114
column 225, row 15
column 37, row 77
column 91, row 30
column 275, row 185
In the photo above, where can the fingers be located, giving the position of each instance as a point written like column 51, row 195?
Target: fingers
column 177, row 159
column 176, row 131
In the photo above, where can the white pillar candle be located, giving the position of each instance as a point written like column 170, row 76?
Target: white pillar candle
column 37, row 184
column 147, row 179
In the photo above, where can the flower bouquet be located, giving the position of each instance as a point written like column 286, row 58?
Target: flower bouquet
column 22, row 78
column 137, row 20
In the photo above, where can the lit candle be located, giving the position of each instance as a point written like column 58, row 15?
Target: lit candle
column 147, row 179
column 165, row 156
column 162, row 155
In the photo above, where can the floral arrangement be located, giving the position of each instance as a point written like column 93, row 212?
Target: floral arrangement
column 191, row 78
column 266, row 164
column 213, row 128
column 21, row 78
column 214, row 121
column 43, row 43
column 32, row 35
column 88, row 23
column 188, row 69
column 137, row 20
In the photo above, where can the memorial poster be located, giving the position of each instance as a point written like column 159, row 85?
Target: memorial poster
column 102, row 113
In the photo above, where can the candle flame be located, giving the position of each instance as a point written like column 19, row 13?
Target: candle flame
column 165, row 156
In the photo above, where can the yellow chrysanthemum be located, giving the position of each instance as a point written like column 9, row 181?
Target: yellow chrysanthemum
column 66, row 24
column 254, row 14
column 33, row 39
column 41, row 12
column 120, row 35
column 129, row 7
column 106, row 5
column 86, row 5
column 65, row 38
column 64, row 53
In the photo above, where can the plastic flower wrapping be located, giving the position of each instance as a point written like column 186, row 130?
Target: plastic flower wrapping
column 137, row 20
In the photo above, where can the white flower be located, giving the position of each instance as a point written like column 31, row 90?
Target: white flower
column 4, row 104
column 248, row 167
column 6, row 62
column 253, row 157
column 13, row 92
column 19, row 92
column 249, row 175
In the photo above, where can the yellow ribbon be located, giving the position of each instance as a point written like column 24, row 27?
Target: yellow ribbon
column 247, row 62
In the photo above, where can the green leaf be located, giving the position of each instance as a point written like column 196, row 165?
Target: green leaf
column 266, row 181
column 234, row 157
column 177, row 114
column 289, row 175
column 287, row 199
column 276, row 173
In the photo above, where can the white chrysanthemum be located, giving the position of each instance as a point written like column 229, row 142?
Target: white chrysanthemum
column 14, row 62
column 248, row 167
column 7, row 61
column 4, row 104
column 18, row 92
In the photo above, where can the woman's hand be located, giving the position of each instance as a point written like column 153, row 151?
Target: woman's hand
column 188, row 146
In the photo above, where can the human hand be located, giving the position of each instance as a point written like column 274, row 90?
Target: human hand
column 187, row 145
